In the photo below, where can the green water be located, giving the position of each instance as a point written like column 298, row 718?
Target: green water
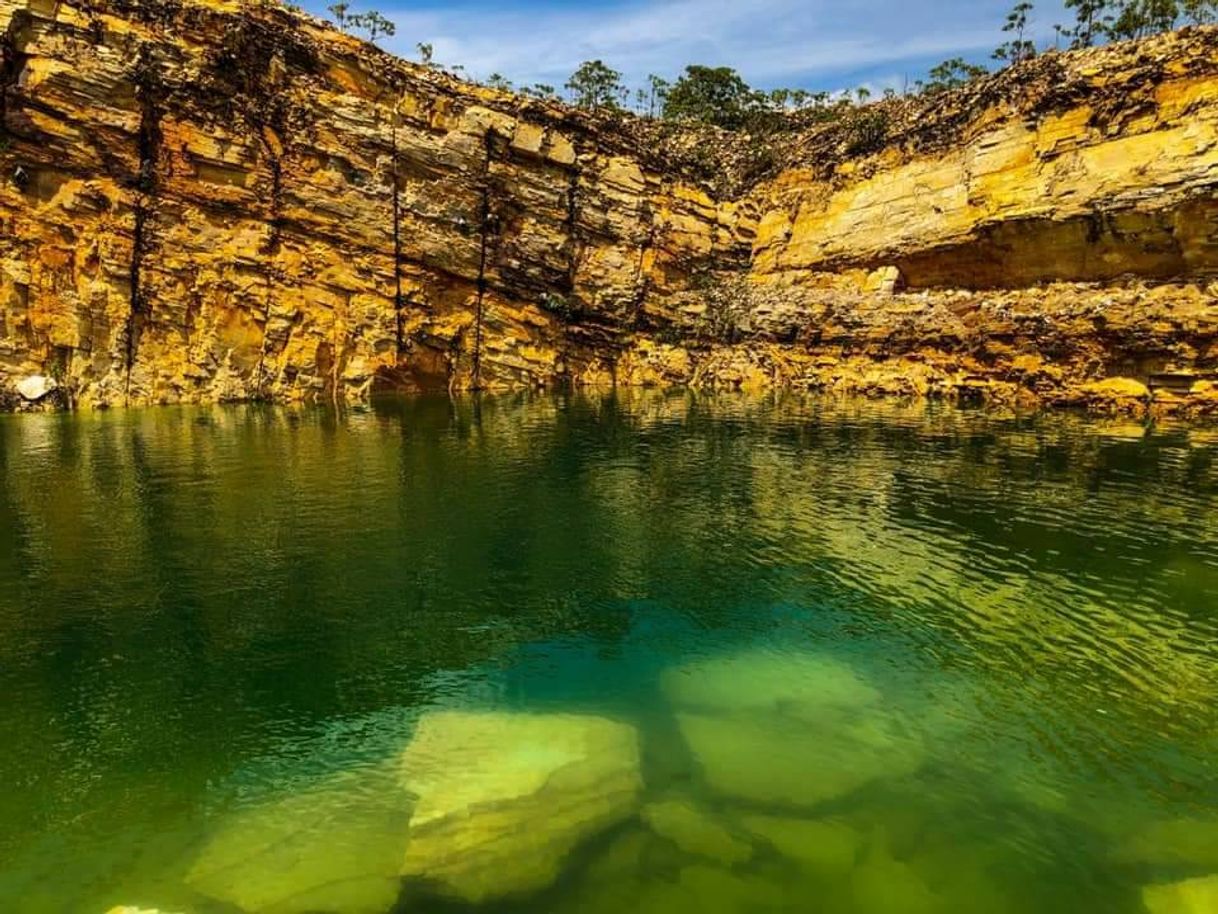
column 873, row 659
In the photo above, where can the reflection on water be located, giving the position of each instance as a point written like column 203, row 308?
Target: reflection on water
column 649, row 652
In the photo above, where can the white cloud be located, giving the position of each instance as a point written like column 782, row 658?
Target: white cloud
column 823, row 43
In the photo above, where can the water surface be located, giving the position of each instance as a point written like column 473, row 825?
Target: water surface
column 906, row 659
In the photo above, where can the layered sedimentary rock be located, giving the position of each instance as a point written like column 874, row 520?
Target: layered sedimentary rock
column 205, row 200
column 216, row 200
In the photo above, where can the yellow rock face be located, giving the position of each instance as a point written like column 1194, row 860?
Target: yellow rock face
column 211, row 200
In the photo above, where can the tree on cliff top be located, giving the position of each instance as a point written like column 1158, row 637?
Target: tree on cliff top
column 1139, row 18
column 1121, row 19
column 374, row 24
column 951, row 74
column 340, row 14
column 1091, row 21
column 713, row 95
column 595, row 85
column 1017, row 48
column 1200, row 12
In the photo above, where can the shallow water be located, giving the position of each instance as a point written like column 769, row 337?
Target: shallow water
column 873, row 658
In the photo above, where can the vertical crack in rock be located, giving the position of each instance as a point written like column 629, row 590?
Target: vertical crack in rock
column 569, row 227
column 11, row 65
column 642, row 281
column 485, row 220
column 8, row 77
column 398, row 304
column 144, row 184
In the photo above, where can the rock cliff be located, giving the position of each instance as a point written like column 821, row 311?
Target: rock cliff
column 210, row 200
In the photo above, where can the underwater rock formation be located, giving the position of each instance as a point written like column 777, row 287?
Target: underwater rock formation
column 504, row 797
column 788, row 731
column 334, row 847
column 695, row 832
column 209, row 200
column 1192, row 896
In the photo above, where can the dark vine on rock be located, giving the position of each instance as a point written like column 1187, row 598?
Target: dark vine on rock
column 8, row 77
column 11, row 65
column 149, row 92
column 243, row 73
column 488, row 226
column 399, row 304
column 571, row 224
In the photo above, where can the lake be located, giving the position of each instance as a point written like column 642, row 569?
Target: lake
column 646, row 651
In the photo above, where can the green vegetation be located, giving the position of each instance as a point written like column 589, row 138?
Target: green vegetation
column 372, row 22
column 866, row 130
column 713, row 95
column 951, row 74
column 339, row 11
column 540, row 90
column 560, row 306
column 1116, row 20
column 1018, row 48
column 595, row 86
column 721, row 97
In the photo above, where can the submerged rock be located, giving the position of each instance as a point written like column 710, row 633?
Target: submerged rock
column 884, row 885
column 707, row 888
column 778, row 760
column 784, row 728
column 1187, row 841
column 1192, row 896
column 336, row 847
column 799, row 685
column 622, row 860
column 824, row 846
column 503, row 798
column 695, row 831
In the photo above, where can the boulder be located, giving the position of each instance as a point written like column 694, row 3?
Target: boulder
column 796, row 684
column 823, row 846
column 36, row 386
column 1115, row 395
column 786, row 727
column 709, row 889
column 335, row 847
column 695, row 832
column 503, row 798
column 778, row 760
column 1184, row 841
column 1192, row 896
column 884, row 885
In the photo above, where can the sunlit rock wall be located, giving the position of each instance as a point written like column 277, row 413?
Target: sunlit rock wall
column 209, row 201
column 206, row 200
column 1105, row 164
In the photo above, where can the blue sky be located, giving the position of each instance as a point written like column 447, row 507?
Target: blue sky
column 813, row 44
